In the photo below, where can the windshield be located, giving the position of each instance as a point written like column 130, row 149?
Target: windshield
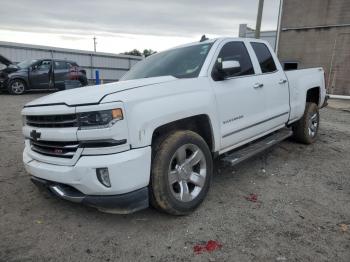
column 26, row 64
column 184, row 62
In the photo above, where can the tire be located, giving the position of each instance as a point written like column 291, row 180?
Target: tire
column 306, row 129
column 83, row 82
column 181, row 173
column 16, row 87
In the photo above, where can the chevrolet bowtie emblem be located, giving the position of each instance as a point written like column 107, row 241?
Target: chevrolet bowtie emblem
column 35, row 135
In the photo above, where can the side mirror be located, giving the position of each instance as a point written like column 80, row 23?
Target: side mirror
column 231, row 67
column 226, row 69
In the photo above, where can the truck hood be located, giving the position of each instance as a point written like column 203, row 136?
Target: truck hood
column 94, row 94
column 5, row 61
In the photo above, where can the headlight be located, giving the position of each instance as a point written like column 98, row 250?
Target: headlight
column 99, row 119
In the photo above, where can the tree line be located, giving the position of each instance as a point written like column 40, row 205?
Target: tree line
column 145, row 53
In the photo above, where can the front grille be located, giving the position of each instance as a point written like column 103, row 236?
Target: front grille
column 48, row 121
column 55, row 149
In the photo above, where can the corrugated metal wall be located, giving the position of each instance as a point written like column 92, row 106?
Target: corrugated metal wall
column 111, row 66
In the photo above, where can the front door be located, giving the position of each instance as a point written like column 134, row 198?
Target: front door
column 240, row 97
column 40, row 75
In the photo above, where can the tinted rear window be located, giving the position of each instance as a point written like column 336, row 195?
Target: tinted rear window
column 267, row 64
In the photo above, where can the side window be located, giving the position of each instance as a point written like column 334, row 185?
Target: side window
column 265, row 58
column 61, row 65
column 236, row 51
column 44, row 65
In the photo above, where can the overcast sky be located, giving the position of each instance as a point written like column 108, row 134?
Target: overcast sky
column 122, row 25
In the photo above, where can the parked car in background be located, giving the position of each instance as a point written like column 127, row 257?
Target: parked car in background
column 39, row 74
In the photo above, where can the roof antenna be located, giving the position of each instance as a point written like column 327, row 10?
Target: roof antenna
column 203, row 38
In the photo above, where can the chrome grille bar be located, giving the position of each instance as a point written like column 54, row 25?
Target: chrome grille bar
column 55, row 149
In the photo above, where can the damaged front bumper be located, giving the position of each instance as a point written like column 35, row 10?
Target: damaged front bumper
column 120, row 204
column 3, row 82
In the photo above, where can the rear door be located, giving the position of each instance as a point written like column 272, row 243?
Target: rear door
column 39, row 75
column 275, row 85
column 60, row 73
column 240, row 99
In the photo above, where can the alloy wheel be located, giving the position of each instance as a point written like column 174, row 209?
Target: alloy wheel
column 187, row 172
column 17, row 87
column 313, row 124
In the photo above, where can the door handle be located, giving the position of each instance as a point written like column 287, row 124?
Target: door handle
column 258, row 85
column 282, row 81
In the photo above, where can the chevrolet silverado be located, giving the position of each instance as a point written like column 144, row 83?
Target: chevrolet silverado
column 150, row 139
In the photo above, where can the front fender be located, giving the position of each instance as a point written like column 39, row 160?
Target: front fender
column 166, row 110
column 18, row 75
column 150, row 107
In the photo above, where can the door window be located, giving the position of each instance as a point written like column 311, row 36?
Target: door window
column 44, row 65
column 236, row 51
column 267, row 64
column 60, row 65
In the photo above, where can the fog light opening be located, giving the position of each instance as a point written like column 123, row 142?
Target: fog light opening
column 103, row 176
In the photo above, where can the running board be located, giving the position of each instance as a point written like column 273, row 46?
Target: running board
column 256, row 147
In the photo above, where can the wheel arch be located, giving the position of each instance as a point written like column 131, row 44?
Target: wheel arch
column 19, row 78
column 11, row 80
column 313, row 95
column 199, row 124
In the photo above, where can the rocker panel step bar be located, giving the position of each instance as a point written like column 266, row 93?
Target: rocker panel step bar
column 256, row 147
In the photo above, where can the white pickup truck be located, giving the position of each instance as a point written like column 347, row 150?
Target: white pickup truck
column 151, row 138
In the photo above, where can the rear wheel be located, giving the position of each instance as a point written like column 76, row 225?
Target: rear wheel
column 17, row 87
column 306, row 129
column 83, row 82
column 181, row 173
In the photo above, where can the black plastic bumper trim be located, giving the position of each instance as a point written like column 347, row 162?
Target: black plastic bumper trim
column 102, row 143
column 122, row 203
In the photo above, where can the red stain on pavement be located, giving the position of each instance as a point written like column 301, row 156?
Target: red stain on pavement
column 252, row 197
column 210, row 246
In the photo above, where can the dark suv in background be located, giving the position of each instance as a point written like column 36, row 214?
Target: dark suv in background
column 39, row 74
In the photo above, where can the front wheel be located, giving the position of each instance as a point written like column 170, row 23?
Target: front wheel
column 181, row 173
column 305, row 130
column 16, row 87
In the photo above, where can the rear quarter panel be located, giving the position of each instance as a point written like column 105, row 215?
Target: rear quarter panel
column 300, row 81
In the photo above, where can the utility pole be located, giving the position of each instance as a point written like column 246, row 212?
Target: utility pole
column 95, row 43
column 258, row 19
column 279, row 27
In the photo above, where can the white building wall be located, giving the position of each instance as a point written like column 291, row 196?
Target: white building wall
column 111, row 66
column 269, row 36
